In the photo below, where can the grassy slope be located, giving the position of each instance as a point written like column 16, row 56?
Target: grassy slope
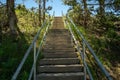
column 107, row 48
column 12, row 53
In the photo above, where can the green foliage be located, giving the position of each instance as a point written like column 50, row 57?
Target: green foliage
column 70, row 2
column 106, row 46
column 11, row 53
column 82, row 30
column 111, row 17
column 111, row 33
column 101, row 32
column 25, row 75
column 116, row 5
column 76, row 14
column 3, row 17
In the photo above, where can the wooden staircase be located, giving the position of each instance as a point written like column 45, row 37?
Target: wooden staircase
column 60, row 60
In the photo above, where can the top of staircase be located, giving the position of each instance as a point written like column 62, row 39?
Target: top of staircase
column 58, row 23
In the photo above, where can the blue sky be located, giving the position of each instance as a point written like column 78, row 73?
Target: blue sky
column 57, row 6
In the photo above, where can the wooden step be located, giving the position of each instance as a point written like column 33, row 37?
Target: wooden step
column 57, row 47
column 54, row 55
column 58, row 31
column 61, row 37
column 58, row 61
column 58, row 44
column 58, row 34
column 60, row 68
column 61, row 76
column 49, row 42
column 59, row 50
column 52, row 33
column 59, row 40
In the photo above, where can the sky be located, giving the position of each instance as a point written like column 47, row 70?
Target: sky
column 57, row 6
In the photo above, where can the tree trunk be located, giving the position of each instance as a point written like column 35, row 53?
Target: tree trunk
column 102, row 7
column 101, row 10
column 12, row 19
column 44, row 5
column 39, row 12
column 0, row 34
column 85, row 13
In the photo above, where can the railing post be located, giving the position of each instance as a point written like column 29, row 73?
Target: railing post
column 84, row 59
column 34, row 60
column 72, row 40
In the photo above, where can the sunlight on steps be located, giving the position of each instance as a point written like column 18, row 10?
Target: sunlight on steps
column 60, row 59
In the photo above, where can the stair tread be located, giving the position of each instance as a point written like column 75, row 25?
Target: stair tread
column 62, row 55
column 57, row 61
column 60, row 49
column 55, row 45
column 73, row 65
column 60, row 68
column 60, row 52
column 61, row 74
column 60, row 59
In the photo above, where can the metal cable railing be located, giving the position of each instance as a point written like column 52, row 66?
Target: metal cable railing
column 82, row 53
column 85, row 43
column 33, row 45
column 37, row 54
